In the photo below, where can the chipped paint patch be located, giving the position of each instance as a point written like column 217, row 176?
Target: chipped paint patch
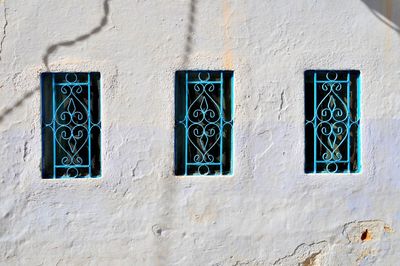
column 361, row 231
column 388, row 229
column 305, row 254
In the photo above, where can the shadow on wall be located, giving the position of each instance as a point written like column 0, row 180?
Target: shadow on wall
column 17, row 104
column 53, row 48
column 387, row 11
column 163, row 248
column 103, row 22
column 189, row 33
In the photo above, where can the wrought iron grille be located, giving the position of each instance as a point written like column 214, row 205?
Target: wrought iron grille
column 332, row 121
column 71, row 125
column 203, row 122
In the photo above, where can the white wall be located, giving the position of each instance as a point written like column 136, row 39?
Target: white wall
column 139, row 213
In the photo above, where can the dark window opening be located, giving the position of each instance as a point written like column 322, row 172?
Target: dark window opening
column 203, row 122
column 71, row 125
column 332, row 121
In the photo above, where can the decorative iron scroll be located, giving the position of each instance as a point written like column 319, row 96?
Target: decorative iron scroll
column 71, row 125
column 207, row 123
column 332, row 121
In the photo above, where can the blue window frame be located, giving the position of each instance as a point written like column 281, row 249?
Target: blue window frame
column 204, row 122
column 332, row 121
column 71, row 125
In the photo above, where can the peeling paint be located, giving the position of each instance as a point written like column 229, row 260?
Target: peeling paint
column 361, row 231
column 304, row 254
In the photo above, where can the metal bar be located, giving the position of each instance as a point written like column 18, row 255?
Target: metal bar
column 232, row 102
column 43, row 119
column 204, row 82
column 99, row 122
column 221, row 126
column 71, row 83
column 203, row 163
column 73, row 166
column 359, row 124
column 348, row 121
column 186, row 121
column 53, row 92
column 336, row 161
column 332, row 81
column 89, row 128
column 315, row 122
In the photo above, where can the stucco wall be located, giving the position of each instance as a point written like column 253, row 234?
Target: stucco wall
column 139, row 213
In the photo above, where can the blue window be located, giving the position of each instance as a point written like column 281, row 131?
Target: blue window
column 204, row 122
column 71, row 125
column 332, row 121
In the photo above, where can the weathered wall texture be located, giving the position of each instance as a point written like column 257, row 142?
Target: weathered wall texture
column 139, row 213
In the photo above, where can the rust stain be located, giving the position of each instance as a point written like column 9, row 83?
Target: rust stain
column 388, row 229
column 228, row 55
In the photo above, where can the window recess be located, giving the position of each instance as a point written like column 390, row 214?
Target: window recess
column 332, row 121
column 204, row 122
column 71, row 125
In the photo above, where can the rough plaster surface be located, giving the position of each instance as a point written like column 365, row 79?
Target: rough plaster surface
column 139, row 213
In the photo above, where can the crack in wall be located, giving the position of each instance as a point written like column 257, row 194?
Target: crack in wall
column 25, row 151
column 281, row 105
column 54, row 47
column 134, row 170
column 4, row 29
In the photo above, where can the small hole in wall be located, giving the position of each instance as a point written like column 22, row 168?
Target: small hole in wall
column 366, row 236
